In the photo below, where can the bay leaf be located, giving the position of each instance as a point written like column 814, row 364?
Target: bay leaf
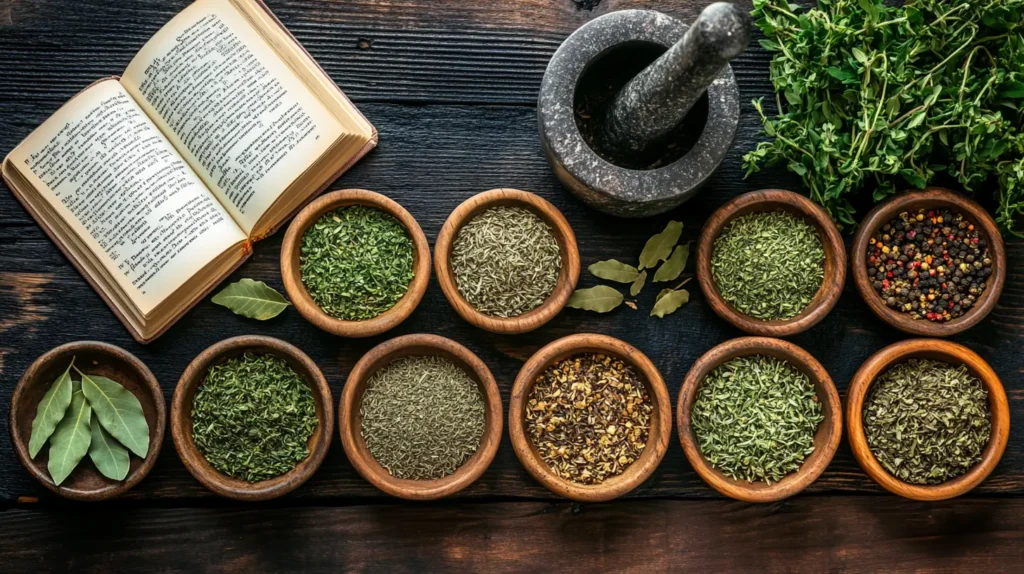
column 71, row 439
column 662, row 293
column 659, row 247
column 50, row 411
column 110, row 458
column 119, row 411
column 601, row 299
column 637, row 285
column 613, row 270
column 252, row 299
column 669, row 302
column 675, row 264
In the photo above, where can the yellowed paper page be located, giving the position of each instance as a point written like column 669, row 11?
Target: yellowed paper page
column 241, row 117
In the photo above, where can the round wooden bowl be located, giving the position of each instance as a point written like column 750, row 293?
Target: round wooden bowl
column 350, row 419
column 940, row 351
column 567, row 278
column 658, row 436
column 181, row 418
column 826, row 439
column 835, row 261
column 938, row 198
column 291, row 274
column 95, row 358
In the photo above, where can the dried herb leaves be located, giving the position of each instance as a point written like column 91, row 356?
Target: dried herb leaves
column 252, row 299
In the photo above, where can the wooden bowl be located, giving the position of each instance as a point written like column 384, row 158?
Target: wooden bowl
column 658, row 436
column 350, row 419
column 835, row 261
column 941, row 351
column 181, row 418
column 928, row 198
column 826, row 439
column 85, row 482
column 291, row 274
column 567, row 277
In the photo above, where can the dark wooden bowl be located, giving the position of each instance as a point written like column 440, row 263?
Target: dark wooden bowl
column 835, row 261
column 181, row 418
column 291, row 274
column 940, row 351
column 928, row 198
column 658, row 436
column 95, row 358
column 567, row 278
column 350, row 420
column 826, row 439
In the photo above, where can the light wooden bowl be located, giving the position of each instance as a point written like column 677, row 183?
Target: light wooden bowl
column 658, row 436
column 835, row 261
column 291, row 274
column 181, row 418
column 350, row 420
column 941, row 351
column 929, row 198
column 95, row 358
column 826, row 439
column 567, row 278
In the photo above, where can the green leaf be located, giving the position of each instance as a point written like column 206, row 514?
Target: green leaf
column 70, row 440
column 662, row 293
column 841, row 75
column 1012, row 91
column 859, row 55
column 871, row 9
column 252, row 299
column 50, row 411
column 613, row 270
column 917, row 120
column 669, row 302
column 675, row 264
column 119, row 411
column 637, row 285
column 110, row 458
column 659, row 247
column 601, row 299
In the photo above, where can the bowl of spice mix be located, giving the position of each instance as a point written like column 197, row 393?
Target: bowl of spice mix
column 420, row 417
column 929, row 262
column 252, row 418
column 507, row 261
column 927, row 419
column 759, row 418
column 355, row 263
column 771, row 263
column 590, row 417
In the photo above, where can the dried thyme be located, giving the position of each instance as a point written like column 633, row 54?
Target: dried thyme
column 506, row 261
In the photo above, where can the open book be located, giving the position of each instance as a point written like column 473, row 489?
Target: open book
column 156, row 183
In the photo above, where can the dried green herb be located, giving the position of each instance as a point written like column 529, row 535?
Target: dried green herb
column 755, row 418
column 601, row 299
column 638, row 284
column 119, row 411
column 356, row 262
column 109, row 456
column 768, row 265
column 670, row 302
column 50, row 411
column 253, row 416
column 422, row 417
column 506, row 261
column 674, row 265
column 659, row 247
column 252, row 299
column 927, row 421
column 613, row 270
column 70, row 441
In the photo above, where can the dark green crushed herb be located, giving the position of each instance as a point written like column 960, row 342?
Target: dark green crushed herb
column 252, row 417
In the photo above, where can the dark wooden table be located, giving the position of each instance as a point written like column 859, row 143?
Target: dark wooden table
column 451, row 85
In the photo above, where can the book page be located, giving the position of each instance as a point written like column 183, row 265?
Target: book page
column 241, row 117
column 110, row 174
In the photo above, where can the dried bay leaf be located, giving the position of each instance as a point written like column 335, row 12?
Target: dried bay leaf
column 613, row 270
column 662, row 293
column 675, row 264
column 50, row 411
column 670, row 302
column 638, row 284
column 110, row 458
column 659, row 247
column 119, row 411
column 252, row 299
column 71, row 439
column 601, row 299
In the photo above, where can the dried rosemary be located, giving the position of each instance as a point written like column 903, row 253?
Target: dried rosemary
column 422, row 417
column 506, row 261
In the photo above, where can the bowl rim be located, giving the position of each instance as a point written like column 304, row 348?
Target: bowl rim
column 934, row 196
column 418, row 344
column 829, row 430
column 657, row 440
column 568, row 275
column 835, row 261
column 195, row 375
column 291, row 274
column 949, row 352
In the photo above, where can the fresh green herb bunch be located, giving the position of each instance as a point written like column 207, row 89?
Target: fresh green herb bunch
column 755, row 418
column 252, row 417
column 768, row 265
column 927, row 421
column 356, row 262
column 894, row 95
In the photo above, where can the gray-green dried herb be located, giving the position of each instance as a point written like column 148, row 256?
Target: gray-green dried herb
column 670, row 302
column 638, row 284
column 659, row 247
column 119, row 411
column 109, row 456
column 70, row 441
column 613, row 270
column 674, row 265
column 50, row 411
column 252, row 299
column 601, row 299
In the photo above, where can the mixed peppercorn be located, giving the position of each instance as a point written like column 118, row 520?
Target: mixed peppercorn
column 929, row 264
